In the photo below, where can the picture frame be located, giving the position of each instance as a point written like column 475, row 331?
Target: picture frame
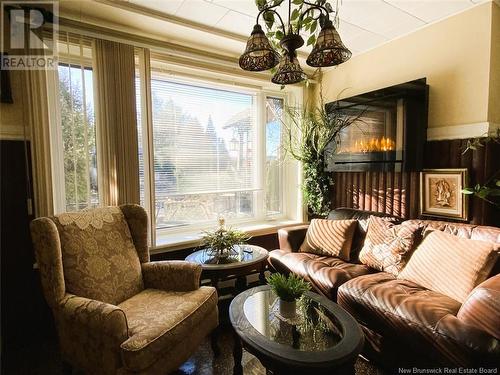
column 441, row 193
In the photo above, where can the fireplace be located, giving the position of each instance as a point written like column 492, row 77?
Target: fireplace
column 388, row 133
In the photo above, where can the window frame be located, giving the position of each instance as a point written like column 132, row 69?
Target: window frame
column 192, row 231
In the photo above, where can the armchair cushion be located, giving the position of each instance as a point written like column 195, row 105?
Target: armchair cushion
column 159, row 320
column 172, row 275
column 99, row 257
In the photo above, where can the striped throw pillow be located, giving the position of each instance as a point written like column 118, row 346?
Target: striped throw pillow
column 388, row 246
column 329, row 238
column 450, row 265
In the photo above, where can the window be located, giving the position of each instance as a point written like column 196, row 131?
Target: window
column 274, row 159
column 204, row 159
column 214, row 151
column 77, row 124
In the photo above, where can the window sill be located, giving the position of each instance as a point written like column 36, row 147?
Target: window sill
column 179, row 241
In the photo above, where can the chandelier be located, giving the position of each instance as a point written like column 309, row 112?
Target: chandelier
column 260, row 54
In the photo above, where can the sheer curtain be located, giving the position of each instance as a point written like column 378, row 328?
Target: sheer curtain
column 39, row 123
column 116, row 122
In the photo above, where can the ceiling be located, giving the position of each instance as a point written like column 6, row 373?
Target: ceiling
column 221, row 27
column 364, row 24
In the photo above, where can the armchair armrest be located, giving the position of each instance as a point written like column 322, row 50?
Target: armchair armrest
column 179, row 276
column 291, row 238
column 481, row 309
column 88, row 314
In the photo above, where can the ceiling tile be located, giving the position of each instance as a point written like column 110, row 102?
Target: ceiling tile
column 378, row 17
column 363, row 41
column 247, row 7
column 237, row 23
column 431, row 10
column 201, row 11
column 166, row 6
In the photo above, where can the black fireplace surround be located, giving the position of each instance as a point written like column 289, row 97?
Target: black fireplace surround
column 389, row 133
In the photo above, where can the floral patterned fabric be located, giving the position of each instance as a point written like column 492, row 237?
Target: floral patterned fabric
column 177, row 276
column 173, row 357
column 99, row 257
column 47, row 247
column 160, row 319
column 137, row 220
column 90, row 334
column 388, row 246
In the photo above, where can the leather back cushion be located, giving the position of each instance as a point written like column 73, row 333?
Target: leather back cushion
column 449, row 264
column 99, row 258
column 359, row 234
column 329, row 238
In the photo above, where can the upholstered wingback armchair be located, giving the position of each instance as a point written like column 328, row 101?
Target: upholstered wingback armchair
column 115, row 311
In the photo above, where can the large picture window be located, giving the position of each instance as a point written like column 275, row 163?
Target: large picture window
column 214, row 151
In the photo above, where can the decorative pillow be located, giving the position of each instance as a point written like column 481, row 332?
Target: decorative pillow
column 450, row 265
column 388, row 246
column 329, row 238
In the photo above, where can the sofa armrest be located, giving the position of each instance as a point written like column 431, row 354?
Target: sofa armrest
column 173, row 275
column 473, row 346
column 291, row 238
column 481, row 309
column 88, row 315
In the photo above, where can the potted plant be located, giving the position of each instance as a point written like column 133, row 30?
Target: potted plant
column 311, row 134
column 220, row 243
column 288, row 289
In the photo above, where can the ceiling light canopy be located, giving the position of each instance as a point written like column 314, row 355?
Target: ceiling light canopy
column 260, row 54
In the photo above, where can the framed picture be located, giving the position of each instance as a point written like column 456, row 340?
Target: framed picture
column 441, row 193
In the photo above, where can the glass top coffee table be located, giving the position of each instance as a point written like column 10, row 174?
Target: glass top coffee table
column 247, row 259
column 322, row 338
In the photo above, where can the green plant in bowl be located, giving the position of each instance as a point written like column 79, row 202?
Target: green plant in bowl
column 220, row 243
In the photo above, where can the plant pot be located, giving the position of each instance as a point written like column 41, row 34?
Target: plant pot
column 288, row 309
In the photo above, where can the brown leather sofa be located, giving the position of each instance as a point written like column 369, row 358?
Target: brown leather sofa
column 404, row 323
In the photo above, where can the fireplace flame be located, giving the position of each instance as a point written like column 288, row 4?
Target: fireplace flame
column 374, row 144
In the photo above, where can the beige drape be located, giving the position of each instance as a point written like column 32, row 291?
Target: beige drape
column 38, row 125
column 116, row 122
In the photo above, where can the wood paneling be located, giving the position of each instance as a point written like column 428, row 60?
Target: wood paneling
column 398, row 193
column 385, row 192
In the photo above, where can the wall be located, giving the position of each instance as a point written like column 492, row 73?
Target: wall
column 453, row 54
column 12, row 115
column 494, row 105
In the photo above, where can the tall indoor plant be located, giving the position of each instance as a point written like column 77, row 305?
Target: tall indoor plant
column 310, row 134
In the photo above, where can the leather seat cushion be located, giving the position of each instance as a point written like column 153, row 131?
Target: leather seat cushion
column 325, row 273
column 159, row 320
column 399, row 308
